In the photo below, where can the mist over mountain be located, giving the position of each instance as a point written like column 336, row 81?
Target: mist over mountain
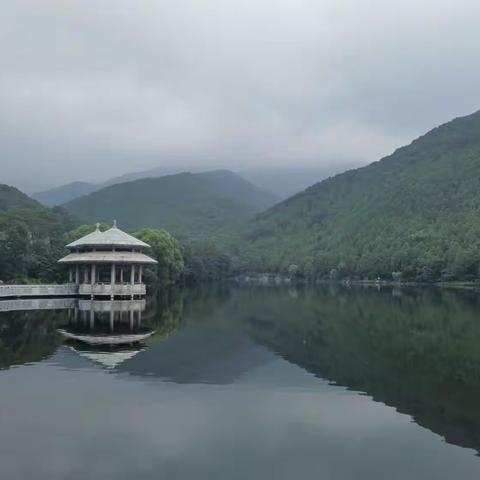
column 287, row 181
column 64, row 193
column 282, row 182
column 70, row 191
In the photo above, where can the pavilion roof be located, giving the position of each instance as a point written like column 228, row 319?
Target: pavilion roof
column 110, row 238
column 108, row 257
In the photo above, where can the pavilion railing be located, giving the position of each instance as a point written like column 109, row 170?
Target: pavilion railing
column 70, row 289
column 122, row 289
column 38, row 290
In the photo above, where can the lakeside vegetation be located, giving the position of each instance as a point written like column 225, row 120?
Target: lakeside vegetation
column 33, row 239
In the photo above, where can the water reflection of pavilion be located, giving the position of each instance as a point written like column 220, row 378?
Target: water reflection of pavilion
column 106, row 322
column 106, row 332
column 110, row 356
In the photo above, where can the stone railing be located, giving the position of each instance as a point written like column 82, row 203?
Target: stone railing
column 72, row 290
column 38, row 290
column 37, row 304
column 106, row 289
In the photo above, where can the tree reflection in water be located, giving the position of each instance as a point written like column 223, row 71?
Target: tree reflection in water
column 414, row 349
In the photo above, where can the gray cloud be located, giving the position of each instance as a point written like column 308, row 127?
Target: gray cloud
column 89, row 90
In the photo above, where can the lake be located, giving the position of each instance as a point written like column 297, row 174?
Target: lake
column 243, row 383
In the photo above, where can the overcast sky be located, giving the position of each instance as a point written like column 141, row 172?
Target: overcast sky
column 94, row 89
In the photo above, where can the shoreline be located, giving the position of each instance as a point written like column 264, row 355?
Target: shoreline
column 268, row 279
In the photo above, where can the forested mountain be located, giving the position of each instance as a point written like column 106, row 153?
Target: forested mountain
column 11, row 198
column 412, row 215
column 189, row 205
column 64, row 193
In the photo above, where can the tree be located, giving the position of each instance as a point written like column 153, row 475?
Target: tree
column 166, row 249
column 204, row 262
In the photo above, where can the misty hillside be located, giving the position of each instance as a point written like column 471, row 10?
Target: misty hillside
column 11, row 198
column 186, row 204
column 416, row 213
column 285, row 181
column 282, row 182
column 64, row 193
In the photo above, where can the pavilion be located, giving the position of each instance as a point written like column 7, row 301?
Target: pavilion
column 108, row 264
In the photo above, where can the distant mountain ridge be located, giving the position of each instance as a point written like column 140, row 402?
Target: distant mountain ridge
column 64, row 193
column 280, row 181
column 186, row 204
column 415, row 214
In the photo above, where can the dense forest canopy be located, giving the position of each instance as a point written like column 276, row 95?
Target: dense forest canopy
column 31, row 242
column 413, row 215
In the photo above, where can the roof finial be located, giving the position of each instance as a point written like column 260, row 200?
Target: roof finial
column 98, row 227
column 114, row 224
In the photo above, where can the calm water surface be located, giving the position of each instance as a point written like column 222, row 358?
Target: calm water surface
column 244, row 383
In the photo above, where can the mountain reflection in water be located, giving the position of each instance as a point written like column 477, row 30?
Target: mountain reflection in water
column 413, row 349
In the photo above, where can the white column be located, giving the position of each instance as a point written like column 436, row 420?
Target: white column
column 70, row 276
column 140, row 273
column 94, row 274
column 85, row 274
column 112, row 280
column 132, row 275
column 112, row 275
column 77, row 275
column 121, row 275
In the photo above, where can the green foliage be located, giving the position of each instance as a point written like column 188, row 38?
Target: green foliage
column 204, row 262
column 188, row 205
column 31, row 242
column 415, row 213
column 69, row 221
column 167, row 251
column 32, row 238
